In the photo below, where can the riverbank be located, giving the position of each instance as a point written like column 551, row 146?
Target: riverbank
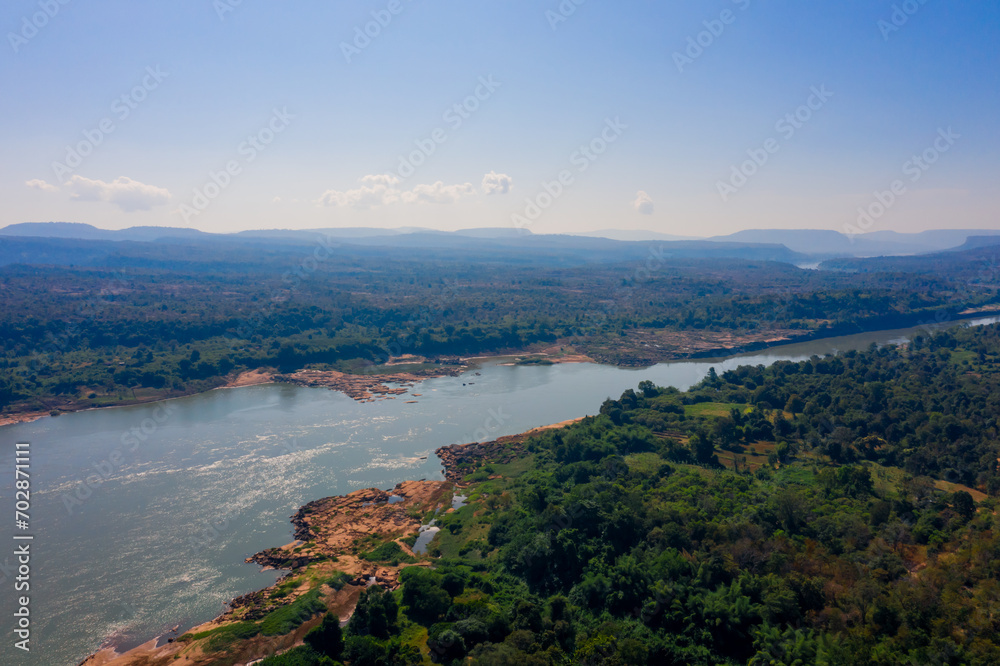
column 690, row 346
column 639, row 348
column 363, row 387
column 21, row 417
column 334, row 537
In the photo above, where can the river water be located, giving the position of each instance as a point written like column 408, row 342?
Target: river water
column 142, row 516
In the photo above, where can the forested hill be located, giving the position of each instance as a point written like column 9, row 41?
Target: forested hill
column 975, row 262
column 802, row 513
column 97, row 323
column 142, row 248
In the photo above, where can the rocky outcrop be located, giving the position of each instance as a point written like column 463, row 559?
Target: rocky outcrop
column 334, row 526
column 461, row 460
column 366, row 387
column 279, row 558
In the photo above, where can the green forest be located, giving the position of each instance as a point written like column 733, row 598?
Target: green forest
column 156, row 320
column 838, row 510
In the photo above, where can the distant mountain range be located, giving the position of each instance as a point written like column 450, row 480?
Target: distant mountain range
column 875, row 244
column 823, row 243
column 789, row 245
column 88, row 232
column 81, row 244
column 636, row 235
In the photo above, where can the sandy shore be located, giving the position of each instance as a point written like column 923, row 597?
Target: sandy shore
column 554, row 426
column 551, row 354
column 21, row 417
column 251, row 378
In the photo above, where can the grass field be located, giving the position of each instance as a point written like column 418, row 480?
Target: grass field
column 712, row 408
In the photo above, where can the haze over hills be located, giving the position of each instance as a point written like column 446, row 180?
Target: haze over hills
column 873, row 244
column 636, row 235
column 554, row 250
column 789, row 245
column 822, row 242
column 90, row 232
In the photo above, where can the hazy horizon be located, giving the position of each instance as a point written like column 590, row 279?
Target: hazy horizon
column 415, row 229
column 449, row 116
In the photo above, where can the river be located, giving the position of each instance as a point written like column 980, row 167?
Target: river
column 142, row 516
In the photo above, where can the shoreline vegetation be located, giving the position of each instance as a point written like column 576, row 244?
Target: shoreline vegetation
column 177, row 320
column 330, row 537
column 363, row 387
column 730, row 523
column 372, row 385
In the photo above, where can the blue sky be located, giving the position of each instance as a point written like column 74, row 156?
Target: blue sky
column 312, row 132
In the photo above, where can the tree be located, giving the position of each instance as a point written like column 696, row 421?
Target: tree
column 446, row 646
column 782, row 428
column 364, row 651
column 423, row 595
column 783, row 451
column 327, row 638
column 727, row 431
column 375, row 614
column 963, row 504
column 703, row 449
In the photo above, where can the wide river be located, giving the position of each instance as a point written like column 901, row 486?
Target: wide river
column 142, row 516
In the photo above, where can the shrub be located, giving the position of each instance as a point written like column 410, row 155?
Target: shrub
column 387, row 552
column 223, row 637
column 300, row 656
column 287, row 618
column 327, row 638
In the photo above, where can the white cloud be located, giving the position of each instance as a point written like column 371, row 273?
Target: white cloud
column 643, row 203
column 497, row 183
column 387, row 179
column 438, row 193
column 127, row 194
column 382, row 190
column 38, row 184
